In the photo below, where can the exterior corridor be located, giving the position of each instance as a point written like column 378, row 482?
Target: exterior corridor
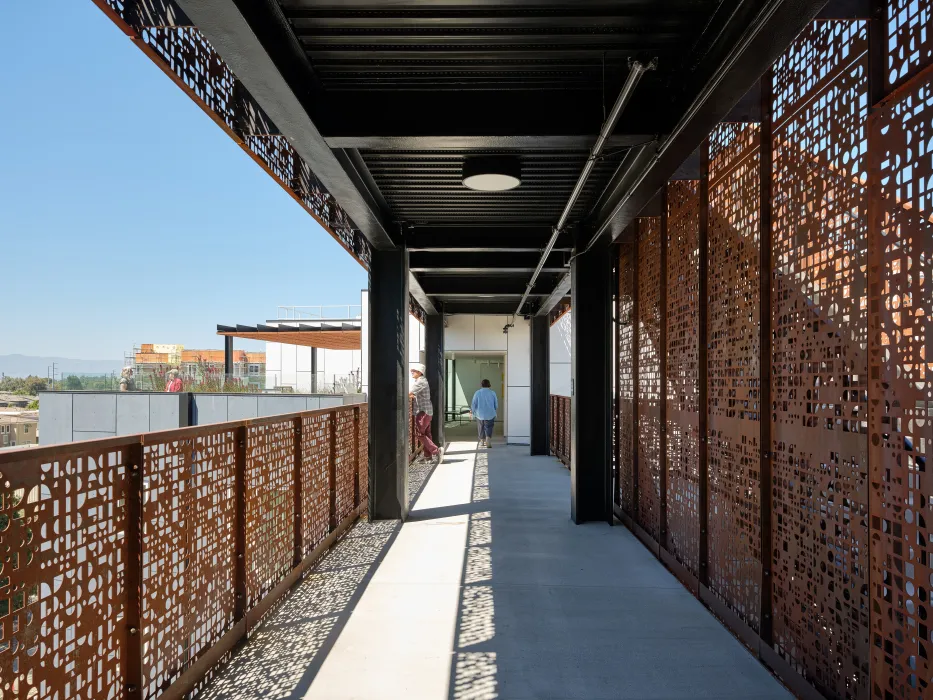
column 489, row 591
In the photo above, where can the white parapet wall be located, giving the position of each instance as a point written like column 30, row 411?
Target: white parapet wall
column 484, row 335
column 560, row 349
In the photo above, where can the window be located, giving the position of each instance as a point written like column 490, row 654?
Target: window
column 26, row 430
column 253, row 370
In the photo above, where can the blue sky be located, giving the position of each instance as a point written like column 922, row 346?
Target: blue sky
column 126, row 215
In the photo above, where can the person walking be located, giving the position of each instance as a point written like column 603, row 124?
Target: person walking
column 485, row 405
column 423, row 410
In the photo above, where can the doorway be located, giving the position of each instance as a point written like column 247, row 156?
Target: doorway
column 464, row 374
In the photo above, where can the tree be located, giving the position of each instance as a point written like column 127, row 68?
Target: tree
column 33, row 385
column 73, row 383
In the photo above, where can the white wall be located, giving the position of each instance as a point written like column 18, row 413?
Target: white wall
column 484, row 334
column 560, row 355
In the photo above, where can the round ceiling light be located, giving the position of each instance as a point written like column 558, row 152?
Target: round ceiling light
column 492, row 173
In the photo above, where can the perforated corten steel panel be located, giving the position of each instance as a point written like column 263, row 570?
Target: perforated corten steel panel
column 733, row 370
column 683, row 417
column 909, row 38
column 270, row 506
column 62, row 593
column 363, row 454
column 345, row 465
column 819, row 372
column 901, row 409
column 625, row 358
column 649, row 375
column 315, row 485
column 188, row 553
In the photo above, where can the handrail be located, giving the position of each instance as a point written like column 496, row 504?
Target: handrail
column 139, row 562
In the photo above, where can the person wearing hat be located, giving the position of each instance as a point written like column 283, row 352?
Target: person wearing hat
column 424, row 411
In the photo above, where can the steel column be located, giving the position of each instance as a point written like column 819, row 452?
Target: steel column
column 228, row 356
column 590, row 415
column 702, row 359
column 540, row 384
column 388, row 385
column 764, row 328
column 434, row 368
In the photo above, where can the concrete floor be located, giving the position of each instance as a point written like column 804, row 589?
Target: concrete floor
column 489, row 591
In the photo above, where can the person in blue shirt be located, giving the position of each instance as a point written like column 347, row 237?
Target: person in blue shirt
column 484, row 406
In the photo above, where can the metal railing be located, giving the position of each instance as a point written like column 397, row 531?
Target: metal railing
column 318, row 313
column 560, row 428
column 134, row 564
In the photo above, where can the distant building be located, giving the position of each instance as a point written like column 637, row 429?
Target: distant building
column 8, row 400
column 152, row 361
column 19, row 428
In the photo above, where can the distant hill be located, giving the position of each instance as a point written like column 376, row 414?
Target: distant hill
column 25, row 365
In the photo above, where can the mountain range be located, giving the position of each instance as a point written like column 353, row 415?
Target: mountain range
column 25, row 365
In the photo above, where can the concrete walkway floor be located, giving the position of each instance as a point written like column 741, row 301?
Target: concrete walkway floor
column 489, row 591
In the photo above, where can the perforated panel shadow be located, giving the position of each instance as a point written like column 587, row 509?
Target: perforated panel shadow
column 819, row 372
column 649, row 375
column 901, row 409
column 683, row 418
column 63, row 636
column 316, row 433
column 625, row 357
column 733, row 378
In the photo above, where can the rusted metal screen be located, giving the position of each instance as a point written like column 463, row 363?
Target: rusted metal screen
column 683, row 416
column 63, row 520
column 316, row 438
column 649, row 375
column 625, row 429
column 901, row 397
column 909, row 34
column 819, row 369
column 363, row 465
column 345, row 448
column 121, row 568
column 187, row 550
column 733, row 370
column 560, row 427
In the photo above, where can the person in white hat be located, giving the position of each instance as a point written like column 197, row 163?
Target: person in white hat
column 424, row 411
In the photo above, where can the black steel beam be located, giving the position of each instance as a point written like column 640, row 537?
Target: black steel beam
column 453, row 307
column 589, row 410
column 434, row 371
column 482, row 238
column 414, row 286
column 429, row 119
column 492, row 262
column 259, row 47
column 537, row 142
column 446, row 285
column 540, row 384
column 388, row 385
column 747, row 47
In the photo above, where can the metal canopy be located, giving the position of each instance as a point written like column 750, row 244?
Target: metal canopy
column 400, row 93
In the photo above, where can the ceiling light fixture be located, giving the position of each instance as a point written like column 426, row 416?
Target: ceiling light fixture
column 492, row 173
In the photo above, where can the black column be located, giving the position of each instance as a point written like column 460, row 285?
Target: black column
column 228, row 357
column 540, row 384
column 434, row 371
column 589, row 416
column 313, row 370
column 388, row 385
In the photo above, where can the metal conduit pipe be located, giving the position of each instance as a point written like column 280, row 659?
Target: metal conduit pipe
column 748, row 36
column 637, row 70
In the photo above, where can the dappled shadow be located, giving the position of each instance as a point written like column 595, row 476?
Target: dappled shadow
column 473, row 668
column 285, row 653
column 418, row 474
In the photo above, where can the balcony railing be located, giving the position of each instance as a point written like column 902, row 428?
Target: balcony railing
column 560, row 428
column 132, row 565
